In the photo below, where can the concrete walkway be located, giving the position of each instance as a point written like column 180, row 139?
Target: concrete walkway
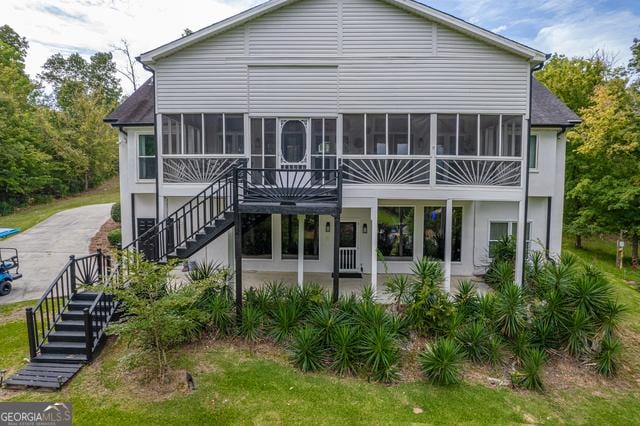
column 45, row 248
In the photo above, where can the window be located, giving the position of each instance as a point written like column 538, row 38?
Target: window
column 489, row 131
column 398, row 134
column 434, row 233
column 395, row 232
column 376, row 134
column 467, row 134
column 146, row 157
column 420, row 134
column 256, row 235
column 447, row 134
column 353, row 134
column 511, row 135
column 323, row 146
column 213, row 134
column 289, row 232
column 498, row 230
column 533, row 152
column 171, row 133
column 192, row 133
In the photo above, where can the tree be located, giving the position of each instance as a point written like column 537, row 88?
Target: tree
column 130, row 71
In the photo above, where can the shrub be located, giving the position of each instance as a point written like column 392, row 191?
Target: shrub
column 427, row 273
column 500, row 273
column 607, row 358
column 535, row 271
column 252, row 322
column 221, row 313
column 344, row 349
column 495, row 350
column 325, row 319
column 306, row 349
column 579, row 329
column 204, row 270
column 115, row 237
column 557, row 274
column 116, row 213
column 590, row 294
column 521, row 344
column 486, row 311
column 473, row 339
column 510, row 309
column 429, row 310
column 610, row 318
column 398, row 288
column 466, row 300
column 380, row 353
column 286, row 316
column 529, row 375
column 504, row 250
column 441, row 362
column 544, row 334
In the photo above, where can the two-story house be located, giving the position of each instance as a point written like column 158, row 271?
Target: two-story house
column 342, row 136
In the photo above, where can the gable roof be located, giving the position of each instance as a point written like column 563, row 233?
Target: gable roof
column 412, row 6
column 549, row 111
column 546, row 109
column 137, row 110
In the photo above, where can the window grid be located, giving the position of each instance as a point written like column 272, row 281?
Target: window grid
column 182, row 142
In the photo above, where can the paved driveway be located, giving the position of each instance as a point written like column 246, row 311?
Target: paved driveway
column 45, row 248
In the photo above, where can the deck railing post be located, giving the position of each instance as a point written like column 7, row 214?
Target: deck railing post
column 88, row 334
column 99, row 259
column 237, row 240
column 31, row 333
column 72, row 275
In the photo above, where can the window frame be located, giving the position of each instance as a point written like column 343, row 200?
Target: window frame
column 535, row 153
column 204, row 136
column 285, row 257
column 413, row 234
column 138, row 157
column 443, row 207
column 269, row 257
column 510, row 227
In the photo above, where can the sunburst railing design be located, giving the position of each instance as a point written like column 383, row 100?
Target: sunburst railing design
column 480, row 172
column 386, row 171
column 288, row 187
column 198, row 170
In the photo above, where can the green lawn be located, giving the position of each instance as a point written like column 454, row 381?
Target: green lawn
column 235, row 387
column 29, row 216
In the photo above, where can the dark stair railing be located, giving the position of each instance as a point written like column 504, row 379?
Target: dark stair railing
column 194, row 218
column 43, row 317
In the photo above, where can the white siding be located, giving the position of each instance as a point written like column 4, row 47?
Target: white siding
column 304, row 28
column 453, row 43
column 373, row 28
column 292, row 90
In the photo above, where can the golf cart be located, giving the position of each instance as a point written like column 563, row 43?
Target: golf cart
column 8, row 262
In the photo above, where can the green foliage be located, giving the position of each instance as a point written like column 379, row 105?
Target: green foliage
column 500, row 273
column 306, row 349
column 429, row 309
column 589, row 294
column 285, row 318
column 504, row 250
column 252, row 322
column 495, row 350
column 441, row 362
column 204, row 270
column 607, row 358
column 473, row 339
column 579, row 329
column 116, row 212
column 529, row 375
column 344, row 349
column 466, row 300
column 380, row 353
column 398, row 287
column 510, row 309
column 115, row 237
column 427, row 273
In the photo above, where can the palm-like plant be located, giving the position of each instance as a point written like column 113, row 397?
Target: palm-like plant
column 306, row 349
column 325, row 319
column 544, row 334
column 285, row 318
column 486, row 311
column 221, row 314
column 529, row 375
column 500, row 273
column 504, row 250
column 427, row 273
column 203, row 270
column 252, row 322
column 466, row 300
column 441, row 362
column 521, row 344
column 607, row 358
column 579, row 329
column 379, row 350
column 511, row 309
column 610, row 318
column 344, row 349
column 473, row 339
column 398, row 287
column 589, row 293
column 495, row 350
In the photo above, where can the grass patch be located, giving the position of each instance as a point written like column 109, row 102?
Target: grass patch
column 26, row 217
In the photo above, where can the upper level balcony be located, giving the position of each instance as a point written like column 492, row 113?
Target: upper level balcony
column 474, row 151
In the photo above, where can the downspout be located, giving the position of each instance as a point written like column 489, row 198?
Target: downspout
column 526, row 166
column 155, row 135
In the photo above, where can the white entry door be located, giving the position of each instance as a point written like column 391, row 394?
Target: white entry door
column 294, row 143
column 349, row 247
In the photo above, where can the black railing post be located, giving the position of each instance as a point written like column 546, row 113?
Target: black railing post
column 88, row 334
column 31, row 332
column 237, row 241
column 100, row 258
column 72, row 275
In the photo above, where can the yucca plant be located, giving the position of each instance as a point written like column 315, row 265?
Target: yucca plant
column 535, row 271
column 500, row 273
column 456, row 323
column 252, row 321
column 504, row 250
column 203, row 270
column 466, row 300
column 348, row 304
column 579, row 329
column 344, row 349
column 277, row 290
column 285, row 318
column 486, row 310
column 554, row 310
column 325, row 319
column 607, row 357
column 427, row 273
column 495, row 350
column 379, row 351
column 557, row 275
column 306, row 350
column 259, row 299
column 529, row 374
column 610, row 319
column 510, row 309
column 473, row 339
column 589, row 293
column 398, row 287
column 544, row 334
column 521, row 344
column 367, row 296
column 221, row 313
column 441, row 362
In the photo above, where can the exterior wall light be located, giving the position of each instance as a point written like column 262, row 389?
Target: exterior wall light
column 365, row 228
column 328, row 227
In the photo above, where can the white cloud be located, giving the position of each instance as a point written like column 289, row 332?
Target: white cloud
column 499, row 29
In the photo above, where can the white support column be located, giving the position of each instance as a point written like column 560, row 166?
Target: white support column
column 520, row 242
column 374, row 248
column 448, row 228
column 300, row 249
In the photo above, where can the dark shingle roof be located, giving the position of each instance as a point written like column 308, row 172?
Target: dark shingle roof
column 137, row 109
column 546, row 109
column 549, row 111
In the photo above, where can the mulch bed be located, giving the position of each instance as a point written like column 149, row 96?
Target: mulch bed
column 100, row 241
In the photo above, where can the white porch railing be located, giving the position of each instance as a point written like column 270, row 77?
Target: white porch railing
column 478, row 172
column 386, row 171
column 348, row 259
column 198, row 169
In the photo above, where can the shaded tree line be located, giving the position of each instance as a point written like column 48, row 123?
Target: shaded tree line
column 603, row 152
column 53, row 141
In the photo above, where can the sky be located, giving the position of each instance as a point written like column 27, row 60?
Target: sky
column 570, row 27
